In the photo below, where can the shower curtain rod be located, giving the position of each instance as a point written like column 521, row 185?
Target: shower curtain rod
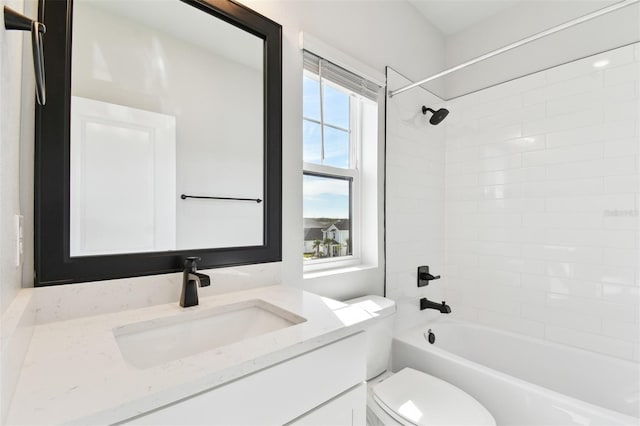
column 519, row 43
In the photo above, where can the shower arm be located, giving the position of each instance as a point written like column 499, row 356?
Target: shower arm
column 519, row 43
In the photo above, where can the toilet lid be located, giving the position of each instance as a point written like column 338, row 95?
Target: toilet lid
column 421, row 399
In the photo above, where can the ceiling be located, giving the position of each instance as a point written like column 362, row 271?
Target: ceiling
column 190, row 25
column 452, row 16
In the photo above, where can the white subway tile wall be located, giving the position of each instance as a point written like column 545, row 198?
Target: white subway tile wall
column 414, row 217
column 542, row 204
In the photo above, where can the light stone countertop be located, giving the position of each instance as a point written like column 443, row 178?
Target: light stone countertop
column 74, row 372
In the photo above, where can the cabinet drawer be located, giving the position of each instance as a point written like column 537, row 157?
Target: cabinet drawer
column 274, row 395
column 347, row 409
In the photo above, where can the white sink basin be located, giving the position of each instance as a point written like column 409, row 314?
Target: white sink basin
column 154, row 342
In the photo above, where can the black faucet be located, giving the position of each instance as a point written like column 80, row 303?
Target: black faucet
column 190, row 281
column 428, row 304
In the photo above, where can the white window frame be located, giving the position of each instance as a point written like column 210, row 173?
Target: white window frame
column 367, row 189
column 353, row 172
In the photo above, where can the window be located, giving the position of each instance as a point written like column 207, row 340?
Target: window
column 339, row 113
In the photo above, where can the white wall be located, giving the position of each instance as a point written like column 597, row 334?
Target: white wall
column 10, row 104
column 374, row 33
column 10, row 276
column 542, row 184
column 525, row 19
column 384, row 33
column 415, row 219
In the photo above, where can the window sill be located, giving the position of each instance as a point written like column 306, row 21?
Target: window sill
column 316, row 272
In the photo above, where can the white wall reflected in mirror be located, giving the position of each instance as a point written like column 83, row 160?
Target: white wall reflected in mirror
column 163, row 62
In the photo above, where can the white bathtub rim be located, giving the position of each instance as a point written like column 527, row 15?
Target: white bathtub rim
column 442, row 320
column 536, row 389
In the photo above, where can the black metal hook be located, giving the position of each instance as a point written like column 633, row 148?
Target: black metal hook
column 16, row 21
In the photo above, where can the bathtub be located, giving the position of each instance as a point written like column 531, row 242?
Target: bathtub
column 522, row 380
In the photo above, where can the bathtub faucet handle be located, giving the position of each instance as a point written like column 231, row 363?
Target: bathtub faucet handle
column 424, row 276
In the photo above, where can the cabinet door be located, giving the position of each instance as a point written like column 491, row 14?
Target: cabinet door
column 275, row 395
column 346, row 409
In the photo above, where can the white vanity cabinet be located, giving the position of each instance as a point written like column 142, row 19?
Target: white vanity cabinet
column 322, row 387
column 345, row 409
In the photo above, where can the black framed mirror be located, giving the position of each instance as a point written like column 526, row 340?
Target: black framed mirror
column 163, row 146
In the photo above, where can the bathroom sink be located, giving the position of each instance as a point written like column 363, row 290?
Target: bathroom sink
column 158, row 341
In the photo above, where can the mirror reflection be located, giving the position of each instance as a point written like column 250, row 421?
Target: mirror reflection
column 165, row 102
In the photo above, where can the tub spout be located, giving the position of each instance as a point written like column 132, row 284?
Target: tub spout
column 428, row 304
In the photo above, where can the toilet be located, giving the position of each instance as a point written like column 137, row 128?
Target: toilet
column 409, row 397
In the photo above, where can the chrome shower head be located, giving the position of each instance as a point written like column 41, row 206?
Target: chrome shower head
column 437, row 116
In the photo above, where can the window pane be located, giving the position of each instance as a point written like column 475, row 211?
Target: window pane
column 336, row 107
column 311, row 98
column 327, row 222
column 336, row 147
column 311, row 148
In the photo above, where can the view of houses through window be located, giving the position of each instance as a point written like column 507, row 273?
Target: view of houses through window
column 324, row 237
column 327, row 217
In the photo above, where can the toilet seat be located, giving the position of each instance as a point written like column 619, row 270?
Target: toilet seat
column 412, row 397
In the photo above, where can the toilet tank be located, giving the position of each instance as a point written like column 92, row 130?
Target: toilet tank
column 379, row 333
